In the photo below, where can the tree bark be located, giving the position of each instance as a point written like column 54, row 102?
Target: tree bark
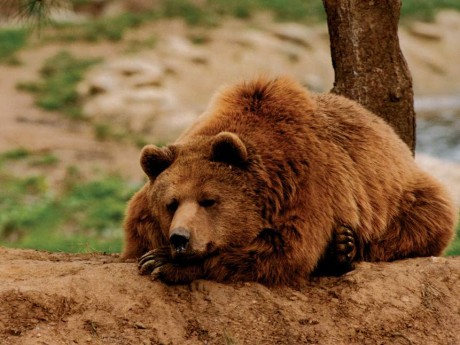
column 368, row 63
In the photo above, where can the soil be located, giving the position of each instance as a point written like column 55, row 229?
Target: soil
column 50, row 298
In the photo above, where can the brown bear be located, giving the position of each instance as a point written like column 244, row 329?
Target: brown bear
column 269, row 178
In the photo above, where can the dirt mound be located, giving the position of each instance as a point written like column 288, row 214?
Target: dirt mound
column 94, row 299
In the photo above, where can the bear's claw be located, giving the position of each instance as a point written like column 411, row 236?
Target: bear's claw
column 344, row 245
column 161, row 265
column 155, row 273
column 341, row 253
column 153, row 260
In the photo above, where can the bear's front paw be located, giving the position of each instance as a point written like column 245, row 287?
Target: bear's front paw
column 152, row 261
column 160, row 265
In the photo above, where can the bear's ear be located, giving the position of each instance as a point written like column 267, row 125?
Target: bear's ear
column 228, row 148
column 154, row 160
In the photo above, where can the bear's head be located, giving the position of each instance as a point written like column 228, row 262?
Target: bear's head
column 202, row 194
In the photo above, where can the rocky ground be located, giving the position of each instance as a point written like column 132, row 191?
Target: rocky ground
column 95, row 299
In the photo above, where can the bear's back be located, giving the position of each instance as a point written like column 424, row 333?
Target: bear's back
column 280, row 116
column 362, row 135
column 330, row 150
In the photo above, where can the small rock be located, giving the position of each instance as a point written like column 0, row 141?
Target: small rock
column 132, row 66
column 314, row 82
column 257, row 39
column 181, row 47
column 449, row 19
column 139, row 325
column 437, row 259
column 122, row 74
column 426, row 30
column 295, row 33
column 101, row 82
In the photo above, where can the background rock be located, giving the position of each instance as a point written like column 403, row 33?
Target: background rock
column 128, row 93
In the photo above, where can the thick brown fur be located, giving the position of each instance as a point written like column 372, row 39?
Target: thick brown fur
column 289, row 169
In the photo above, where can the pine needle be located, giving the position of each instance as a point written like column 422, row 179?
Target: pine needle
column 34, row 13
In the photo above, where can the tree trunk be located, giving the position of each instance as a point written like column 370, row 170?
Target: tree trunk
column 368, row 62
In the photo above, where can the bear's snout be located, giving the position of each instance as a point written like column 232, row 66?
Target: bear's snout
column 179, row 239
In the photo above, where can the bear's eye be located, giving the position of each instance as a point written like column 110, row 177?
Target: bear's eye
column 207, row 202
column 172, row 206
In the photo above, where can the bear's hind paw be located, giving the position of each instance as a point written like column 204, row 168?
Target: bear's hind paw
column 344, row 246
column 341, row 253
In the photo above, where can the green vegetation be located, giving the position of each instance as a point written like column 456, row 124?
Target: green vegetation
column 34, row 159
column 85, row 216
column 47, row 159
column 57, row 90
column 134, row 45
column 209, row 13
column 103, row 131
column 426, row 9
column 454, row 248
column 11, row 41
column 212, row 11
column 99, row 29
column 16, row 154
column 198, row 38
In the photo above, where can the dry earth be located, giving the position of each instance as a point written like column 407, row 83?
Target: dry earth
column 95, row 299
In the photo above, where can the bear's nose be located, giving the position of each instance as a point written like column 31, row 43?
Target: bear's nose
column 179, row 239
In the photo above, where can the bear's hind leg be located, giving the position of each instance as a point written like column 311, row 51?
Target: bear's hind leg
column 423, row 227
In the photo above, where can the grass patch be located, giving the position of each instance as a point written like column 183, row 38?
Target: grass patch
column 212, row 11
column 33, row 158
column 11, row 41
column 44, row 160
column 454, row 248
column 206, row 13
column 15, row 154
column 57, row 89
column 105, row 132
column 134, row 46
column 86, row 216
column 99, row 29
column 426, row 9
column 199, row 38
column 192, row 14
